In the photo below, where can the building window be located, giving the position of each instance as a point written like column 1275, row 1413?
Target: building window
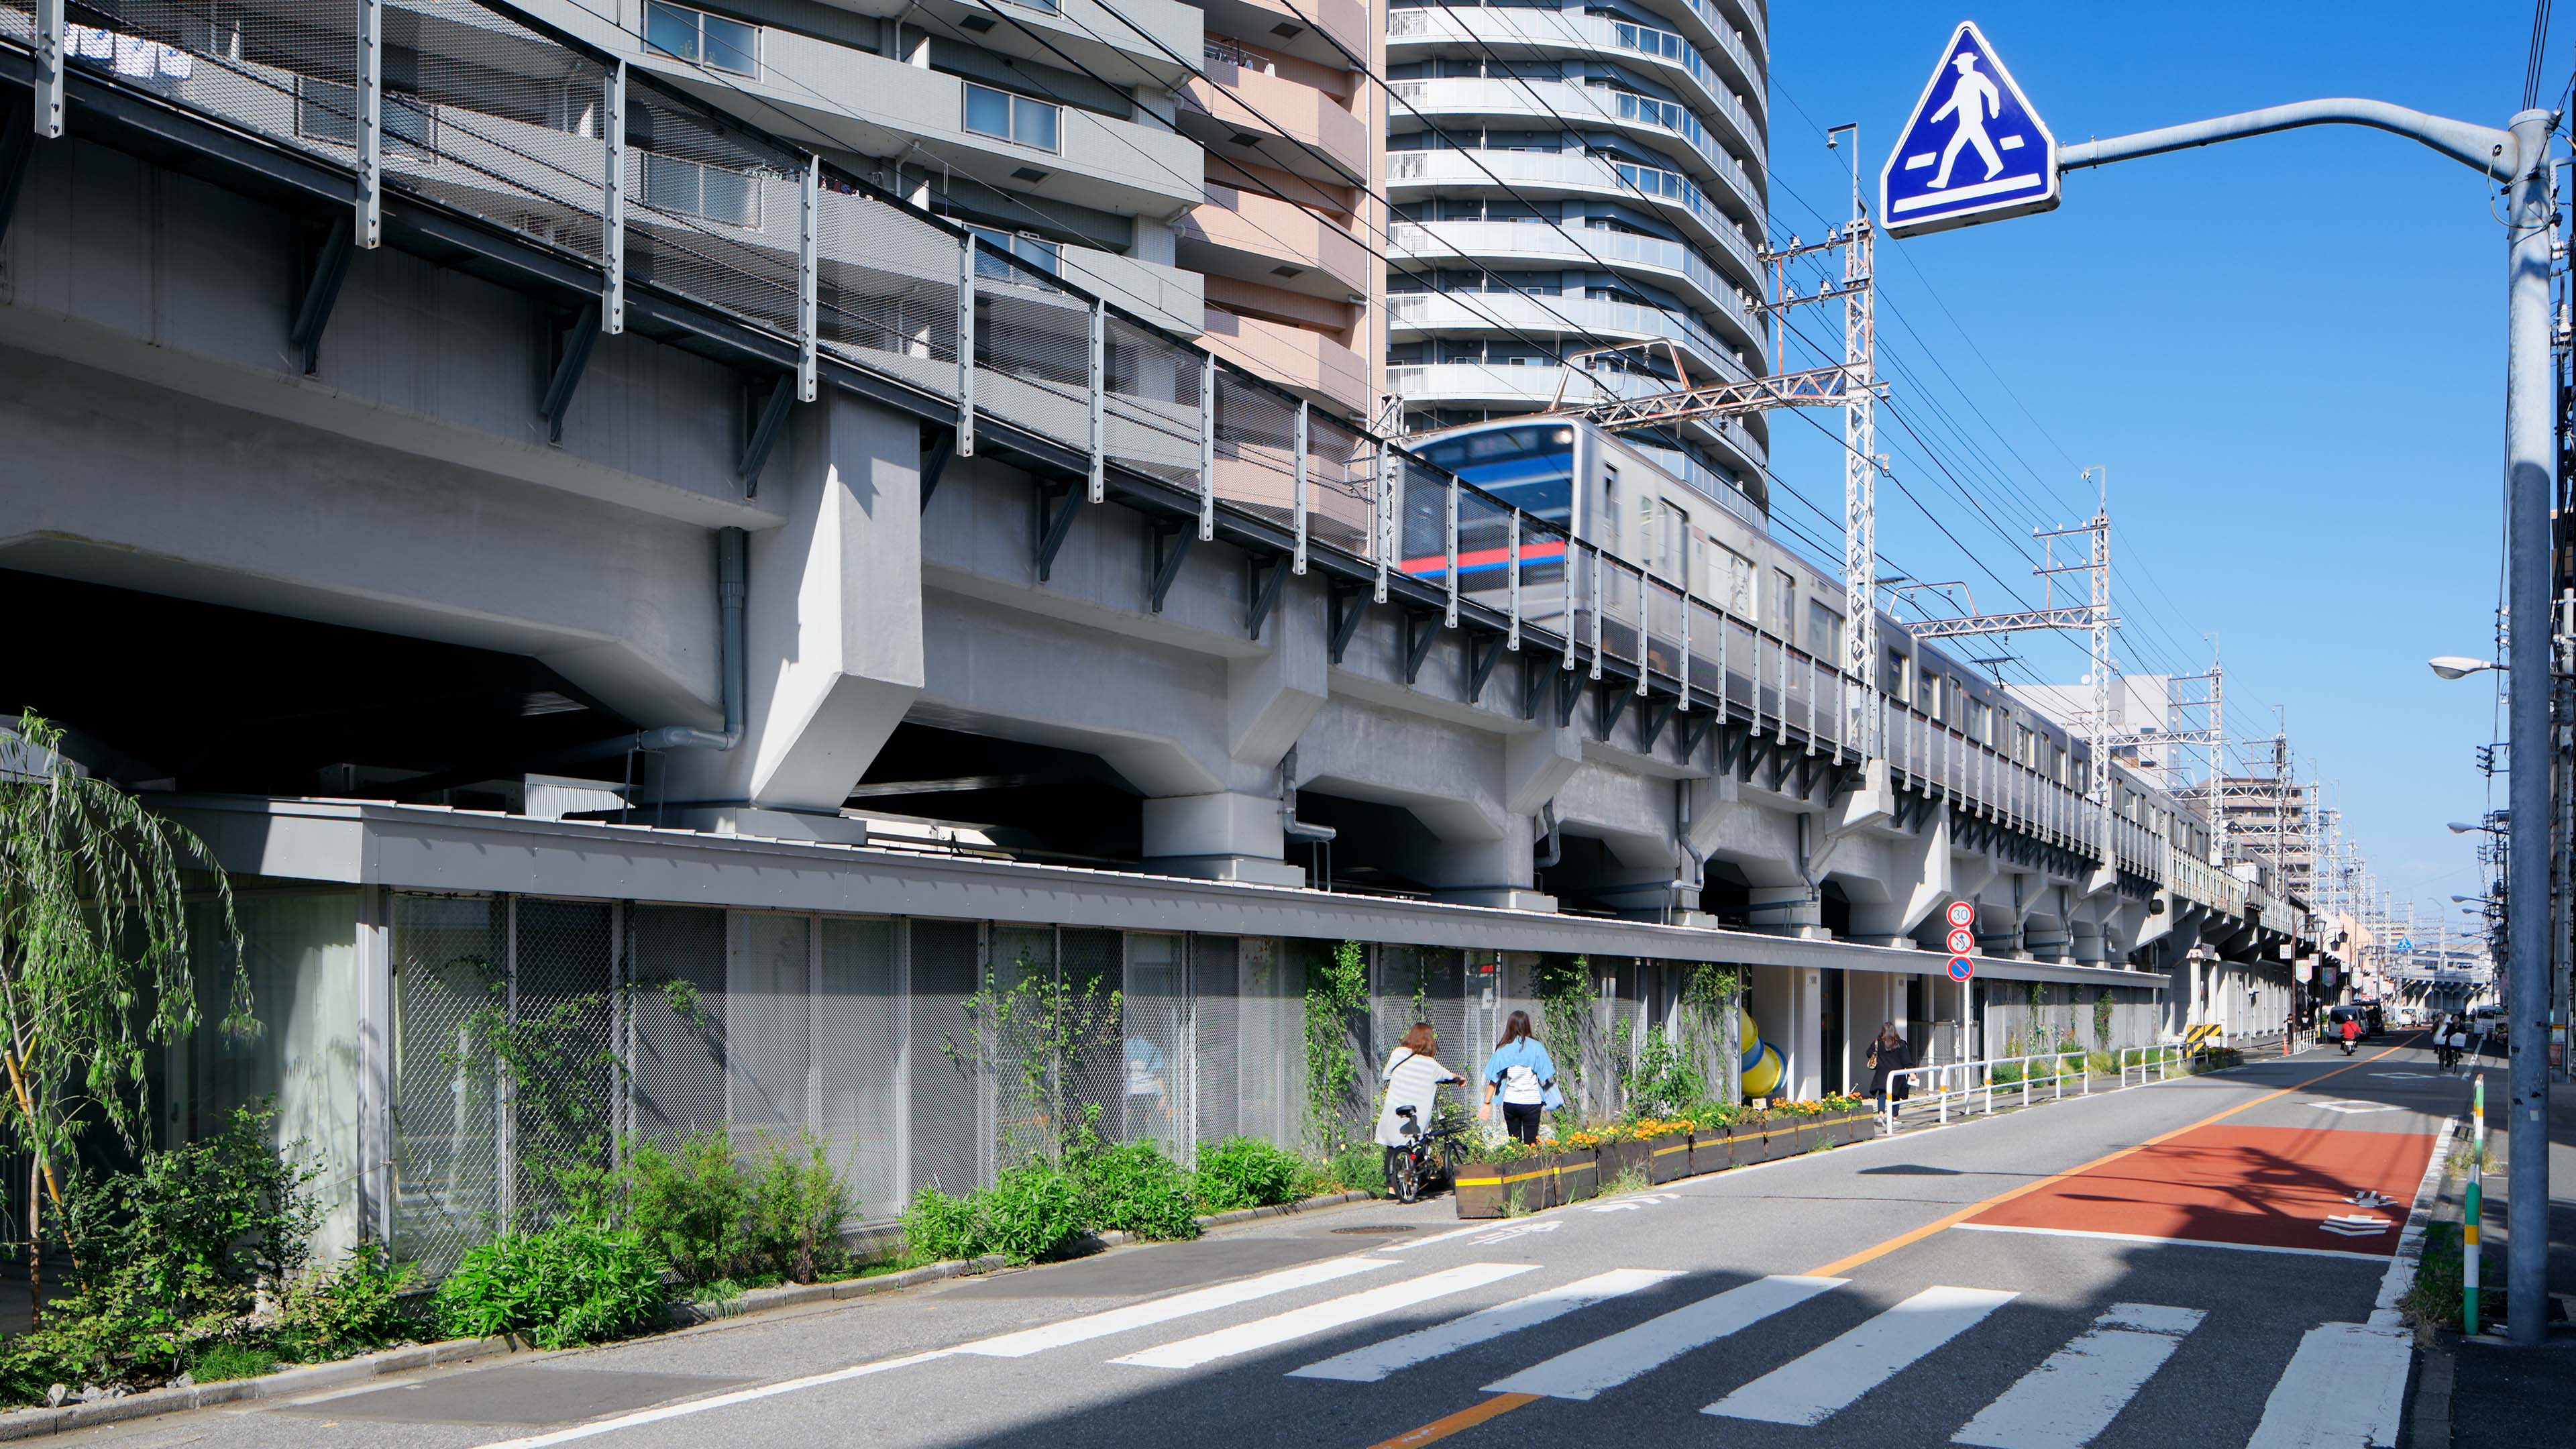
column 991, row 112
column 686, row 188
column 710, row 40
column 1041, row 255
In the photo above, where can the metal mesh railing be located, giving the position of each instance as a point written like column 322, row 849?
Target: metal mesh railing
column 1341, row 486
column 492, row 118
column 713, row 216
column 886, row 291
column 1150, row 416
column 450, row 974
column 1256, row 437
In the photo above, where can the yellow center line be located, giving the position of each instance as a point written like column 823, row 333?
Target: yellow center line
column 1501, row 1404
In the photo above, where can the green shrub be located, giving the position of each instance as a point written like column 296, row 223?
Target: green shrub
column 1359, row 1167
column 1028, row 1213
column 1243, row 1172
column 195, row 1229
column 796, row 1206
column 1132, row 1187
column 570, row 1284
column 940, row 1227
column 230, row 1359
column 355, row 1307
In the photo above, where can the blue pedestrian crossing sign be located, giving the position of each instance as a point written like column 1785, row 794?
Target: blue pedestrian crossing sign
column 1974, row 149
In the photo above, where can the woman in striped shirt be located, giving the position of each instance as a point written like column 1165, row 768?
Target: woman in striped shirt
column 1413, row 1078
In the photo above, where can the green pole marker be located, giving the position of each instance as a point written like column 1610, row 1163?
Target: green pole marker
column 2469, row 1321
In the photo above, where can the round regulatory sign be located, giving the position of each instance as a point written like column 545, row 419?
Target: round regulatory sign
column 1962, row 941
column 1961, row 968
column 1963, row 913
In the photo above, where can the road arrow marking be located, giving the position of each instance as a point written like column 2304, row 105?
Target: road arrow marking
column 2356, row 1225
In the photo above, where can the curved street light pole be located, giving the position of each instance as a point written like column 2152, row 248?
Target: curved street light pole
column 2518, row 159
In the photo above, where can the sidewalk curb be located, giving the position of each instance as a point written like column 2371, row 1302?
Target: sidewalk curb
column 35, row 1423
column 304, row 1379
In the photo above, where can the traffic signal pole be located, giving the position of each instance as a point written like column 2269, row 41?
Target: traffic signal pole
column 2517, row 159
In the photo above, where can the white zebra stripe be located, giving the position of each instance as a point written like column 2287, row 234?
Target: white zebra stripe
column 1809, row 1389
column 2065, row 1402
column 1377, row 1360
column 1163, row 1310
column 1318, row 1317
column 1609, row 1362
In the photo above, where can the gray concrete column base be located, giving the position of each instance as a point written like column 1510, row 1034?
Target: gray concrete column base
column 1501, row 898
column 1247, row 869
column 1793, row 911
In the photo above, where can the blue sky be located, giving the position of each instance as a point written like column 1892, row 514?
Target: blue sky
column 2287, row 350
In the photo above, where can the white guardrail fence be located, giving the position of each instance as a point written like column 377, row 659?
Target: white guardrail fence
column 1971, row 1089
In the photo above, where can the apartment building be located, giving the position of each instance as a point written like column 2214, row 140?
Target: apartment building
column 1569, row 177
column 1049, row 125
column 1286, row 237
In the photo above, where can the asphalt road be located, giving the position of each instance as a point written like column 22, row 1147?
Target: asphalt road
column 1876, row 1295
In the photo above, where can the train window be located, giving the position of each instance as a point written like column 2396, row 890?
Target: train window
column 1735, row 582
column 1671, row 531
column 1896, row 675
column 1530, row 468
column 1784, row 604
column 1610, row 535
column 1824, row 631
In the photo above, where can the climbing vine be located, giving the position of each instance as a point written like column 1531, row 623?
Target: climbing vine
column 2102, row 1019
column 1045, row 1029
column 1564, row 985
column 1709, row 993
column 1336, row 989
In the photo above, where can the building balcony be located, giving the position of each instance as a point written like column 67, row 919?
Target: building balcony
column 838, row 97
column 1720, row 302
column 1469, row 31
column 1275, row 26
column 1265, row 120
column 1417, row 175
column 1258, row 238
column 1663, row 125
column 1294, row 358
column 1412, row 316
column 1506, row 387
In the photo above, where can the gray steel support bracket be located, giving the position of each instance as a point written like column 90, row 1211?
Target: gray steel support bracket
column 1608, row 703
column 1345, row 604
column 1052, row 524
column 938, row 450
column 768, row 419
column 321, row 292
column 1172, row 540
column 1483, row 652
column 1569, row 688
column 572, row 356
column 1695, row 727
column 1421, row 626
column 1263, row 577
column 1534, row 680
column 1651, row 718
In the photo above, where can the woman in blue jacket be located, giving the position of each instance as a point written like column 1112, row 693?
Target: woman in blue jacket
column 1525, row 1076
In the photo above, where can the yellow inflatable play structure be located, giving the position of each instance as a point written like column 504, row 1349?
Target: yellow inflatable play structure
column 1759, row 1073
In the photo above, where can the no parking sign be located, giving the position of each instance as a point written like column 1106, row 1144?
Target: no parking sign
column 1962, row 916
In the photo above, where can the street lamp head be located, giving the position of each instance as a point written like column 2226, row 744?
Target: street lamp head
column 2458, row 828
column 2458, row 666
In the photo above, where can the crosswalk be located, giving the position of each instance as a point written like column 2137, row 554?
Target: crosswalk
column 2065, row 1401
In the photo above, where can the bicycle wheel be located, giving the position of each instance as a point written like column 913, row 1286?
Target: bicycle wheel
column 1408, row 1178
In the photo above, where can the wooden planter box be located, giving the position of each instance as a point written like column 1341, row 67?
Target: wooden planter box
column 1712, row 1150
column 1669, row 1158
column 1577, row 1176
column 1483, row 1187
column 1620, row 1157
column 1764, row 1140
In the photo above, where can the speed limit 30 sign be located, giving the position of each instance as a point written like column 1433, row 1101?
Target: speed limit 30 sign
column 1962, row 914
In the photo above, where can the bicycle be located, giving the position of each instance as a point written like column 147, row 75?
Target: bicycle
column 1426, row 1156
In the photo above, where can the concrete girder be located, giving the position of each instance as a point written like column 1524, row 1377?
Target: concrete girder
column 834, row 617
column 1921, row 871
column 118, row 481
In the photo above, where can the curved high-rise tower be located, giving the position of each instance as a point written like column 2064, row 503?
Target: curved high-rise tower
column 1573, row 176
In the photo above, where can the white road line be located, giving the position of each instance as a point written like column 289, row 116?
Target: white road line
column 1609, row 1362
column 1811, row 1388
column 2171, row 1242
column 2410, row 1243
column 1316, row 1318
column 1163, row 1310
column 1470, row 1229
column 1376, row 1361
column 2065, row 1402
column 718, row 1401
column 2344, row 1389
